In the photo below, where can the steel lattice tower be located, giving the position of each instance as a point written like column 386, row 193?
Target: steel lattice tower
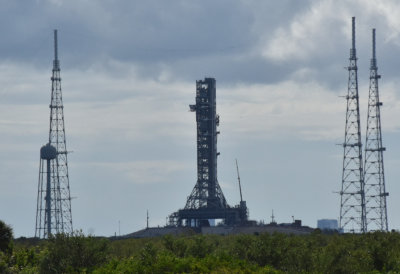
column 374, row 176
column 53, row 213
column 206, row 200
column 207, row 192
column 352, row 200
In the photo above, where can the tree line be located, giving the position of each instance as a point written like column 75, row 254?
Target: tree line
column 377, row 252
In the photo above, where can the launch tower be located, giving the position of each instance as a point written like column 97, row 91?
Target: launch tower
column 207, row 201
column 53, row 211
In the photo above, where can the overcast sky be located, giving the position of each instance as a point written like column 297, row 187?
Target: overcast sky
column 128, row 73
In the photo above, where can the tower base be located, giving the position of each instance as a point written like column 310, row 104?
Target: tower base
column 200, row 217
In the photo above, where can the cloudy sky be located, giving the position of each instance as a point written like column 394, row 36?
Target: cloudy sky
column 129, row 70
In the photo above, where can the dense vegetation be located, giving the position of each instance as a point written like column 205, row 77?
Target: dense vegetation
column 264, row 253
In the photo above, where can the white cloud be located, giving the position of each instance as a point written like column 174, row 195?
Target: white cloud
column 308, row 33
column 387, row 11
column 319, row 29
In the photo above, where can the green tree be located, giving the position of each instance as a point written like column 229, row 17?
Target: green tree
column 148, row 255
column 6, row 238
column 177, row 246
column 74, row 253
column 6, row 246
column 200, row 247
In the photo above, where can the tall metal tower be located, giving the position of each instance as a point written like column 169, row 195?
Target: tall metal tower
column 207, row 200
column 352, row 200
column 53, row 211
column 374, row 176
column 207, row 191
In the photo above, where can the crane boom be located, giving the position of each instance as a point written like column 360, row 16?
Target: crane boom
column 240, row 187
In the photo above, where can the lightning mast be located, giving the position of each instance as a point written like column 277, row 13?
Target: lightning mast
column 374, row 176
column 352, row 199
column 53, row 211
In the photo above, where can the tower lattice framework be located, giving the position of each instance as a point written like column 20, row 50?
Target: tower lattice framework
column 207, row 192
column 54, row 213
column 207, row 201
column 352, row 200
column 374, row 176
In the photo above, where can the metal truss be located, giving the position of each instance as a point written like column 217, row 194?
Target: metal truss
column 352, row 201
column 53, row 212
column 374, row 176
column 207, row 192
column 206, row 200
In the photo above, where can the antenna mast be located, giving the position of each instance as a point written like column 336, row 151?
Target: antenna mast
column 352, row 199
column 374, row 176
column 147, row 219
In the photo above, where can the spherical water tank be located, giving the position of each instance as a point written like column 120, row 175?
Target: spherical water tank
column 48, row 152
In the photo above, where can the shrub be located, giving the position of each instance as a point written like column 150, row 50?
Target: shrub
column 6, row 238
column 73, row 253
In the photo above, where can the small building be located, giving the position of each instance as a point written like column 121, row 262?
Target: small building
column 328, row 224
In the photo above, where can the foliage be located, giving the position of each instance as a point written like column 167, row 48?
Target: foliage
column 73, row 253
column 376, row 252
column 166, row 263
column 6, row 237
